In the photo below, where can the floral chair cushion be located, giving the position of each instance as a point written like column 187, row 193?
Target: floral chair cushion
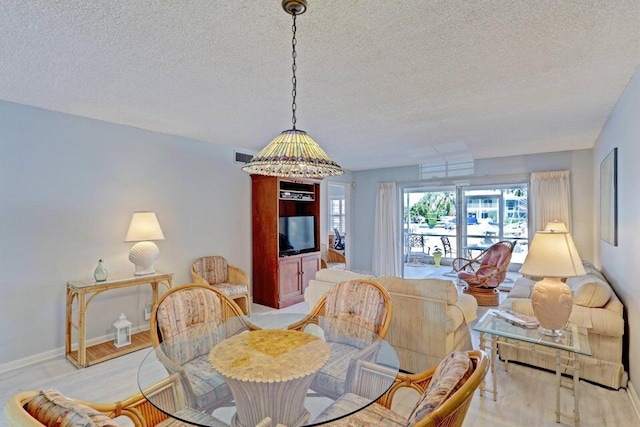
column 361, row 309
column 53, row 409
column 449, row 376
column 212, row 268
column 196, row 312
column 232, row 289
column 372, row 415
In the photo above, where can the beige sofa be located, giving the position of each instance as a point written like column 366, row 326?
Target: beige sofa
column 596, row 307
column 429, row 320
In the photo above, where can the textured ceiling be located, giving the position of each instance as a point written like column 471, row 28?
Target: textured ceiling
column 380, row 82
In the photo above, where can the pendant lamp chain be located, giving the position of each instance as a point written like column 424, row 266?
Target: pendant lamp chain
column 293, row 68
column 293, row 153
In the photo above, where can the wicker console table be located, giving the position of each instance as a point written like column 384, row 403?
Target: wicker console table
column 83, row 291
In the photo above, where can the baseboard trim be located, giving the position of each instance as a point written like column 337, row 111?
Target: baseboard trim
column 57, row 352
column 633, row 397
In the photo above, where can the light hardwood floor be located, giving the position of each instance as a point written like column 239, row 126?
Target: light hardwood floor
column 526, row 395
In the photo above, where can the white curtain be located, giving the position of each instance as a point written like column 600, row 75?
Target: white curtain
column 550, row 198
column 386, row 240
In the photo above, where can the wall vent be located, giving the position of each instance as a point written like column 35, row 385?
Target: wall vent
column 242, row 157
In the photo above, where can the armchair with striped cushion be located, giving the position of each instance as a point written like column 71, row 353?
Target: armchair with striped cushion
column 227, row 278
column 362, row 310
column 446, row 393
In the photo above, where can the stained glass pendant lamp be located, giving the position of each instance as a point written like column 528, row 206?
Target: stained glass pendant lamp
column 293, row 153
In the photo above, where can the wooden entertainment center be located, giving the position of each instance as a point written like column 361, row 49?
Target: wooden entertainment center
column 280, row 281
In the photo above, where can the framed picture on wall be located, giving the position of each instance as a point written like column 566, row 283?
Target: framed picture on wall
column 609, row 198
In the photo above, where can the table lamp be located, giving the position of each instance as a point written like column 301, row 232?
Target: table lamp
column 144, row 227
column 554, row 256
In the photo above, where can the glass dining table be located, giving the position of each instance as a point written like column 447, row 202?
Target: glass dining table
column 275, row 366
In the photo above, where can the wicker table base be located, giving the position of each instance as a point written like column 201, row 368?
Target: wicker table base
column 282, row 401
column 269, row 373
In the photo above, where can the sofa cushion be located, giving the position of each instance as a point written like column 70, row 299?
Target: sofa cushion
column 454, row 318
column 337, row 276
column 449, row 376
column 522, row 288
column 52, row 408
column 589, row 268
column 440, row 289
column 589, row 290
column 468, row 306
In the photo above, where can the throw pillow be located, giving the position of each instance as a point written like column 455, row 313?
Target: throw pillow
column 53, row 409
column 449, row 376
column 589, row 291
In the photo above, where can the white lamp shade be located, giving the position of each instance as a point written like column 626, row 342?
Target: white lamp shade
column 144, row 226
column 552, row 254
column 558, row 227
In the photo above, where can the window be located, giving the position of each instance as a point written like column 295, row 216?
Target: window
column 337, row 214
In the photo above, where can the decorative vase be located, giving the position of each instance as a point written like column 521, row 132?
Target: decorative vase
column 437, row 256
column 100, row 274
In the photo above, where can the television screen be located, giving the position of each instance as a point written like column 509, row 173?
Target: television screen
column 297, row 234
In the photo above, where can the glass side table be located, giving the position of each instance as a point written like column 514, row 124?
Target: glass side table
column 567, row 350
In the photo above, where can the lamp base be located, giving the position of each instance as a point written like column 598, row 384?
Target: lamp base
column 556, row 333
column 143, row 255
column 551, row 302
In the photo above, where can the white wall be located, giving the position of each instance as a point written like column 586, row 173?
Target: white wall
column 621, row 264
column 579, row 162
column 68, row 187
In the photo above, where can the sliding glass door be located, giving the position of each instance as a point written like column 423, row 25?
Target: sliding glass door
column 461, row 222
column 429, row 225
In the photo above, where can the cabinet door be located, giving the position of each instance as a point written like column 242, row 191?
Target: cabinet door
column 310, row 266
column 290, row 278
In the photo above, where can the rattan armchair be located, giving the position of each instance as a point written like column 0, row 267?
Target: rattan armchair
column 137, row 408
column 332, row 259
column 203, row 312
column 484, row 273
column 227, row 278
column 450, row 412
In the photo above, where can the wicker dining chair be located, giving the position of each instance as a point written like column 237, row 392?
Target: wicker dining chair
column 446, row 246
column 445, row 395
column 37, row 408
column 363, row 309
column 332, row 259
column 227, row 278
column 202, row 312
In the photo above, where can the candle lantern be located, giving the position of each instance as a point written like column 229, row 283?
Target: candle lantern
column 123, row 331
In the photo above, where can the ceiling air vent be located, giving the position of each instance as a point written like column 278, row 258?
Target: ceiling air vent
column 243, row 157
